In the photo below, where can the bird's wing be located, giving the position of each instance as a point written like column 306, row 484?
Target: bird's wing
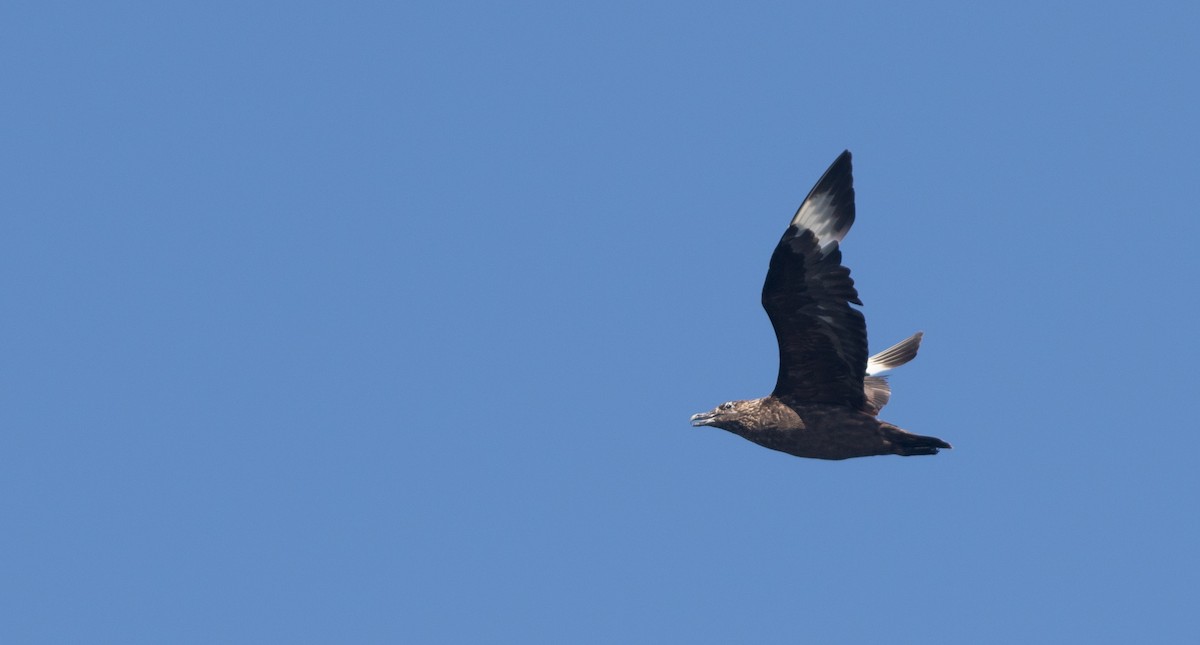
column 876, row 387
column 807, row 295
column 878, row 392
column 896, row 355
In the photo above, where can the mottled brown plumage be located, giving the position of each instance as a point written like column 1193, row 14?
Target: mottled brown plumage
column 826, row 394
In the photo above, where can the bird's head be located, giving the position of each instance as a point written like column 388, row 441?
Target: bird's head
column 730, row 415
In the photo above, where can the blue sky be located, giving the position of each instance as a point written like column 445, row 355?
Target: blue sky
column 382, row 322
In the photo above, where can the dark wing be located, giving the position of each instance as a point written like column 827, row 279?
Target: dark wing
column 807, row 295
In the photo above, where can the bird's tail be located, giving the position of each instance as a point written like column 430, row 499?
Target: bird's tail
column 909, row 444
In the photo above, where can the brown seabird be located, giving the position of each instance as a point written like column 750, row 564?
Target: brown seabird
column 827, row 394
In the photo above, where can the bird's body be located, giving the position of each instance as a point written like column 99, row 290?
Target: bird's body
column 827, row 395
column 824, row 431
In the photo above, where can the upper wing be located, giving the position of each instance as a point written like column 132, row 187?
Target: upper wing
column 807, row 295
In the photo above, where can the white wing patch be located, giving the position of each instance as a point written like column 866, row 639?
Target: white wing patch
column 817, row 215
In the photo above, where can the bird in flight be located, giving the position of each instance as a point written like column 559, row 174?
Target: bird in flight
column 828, row 393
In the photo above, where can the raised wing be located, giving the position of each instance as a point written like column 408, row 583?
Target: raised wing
column 807, row 295
column 876, row 387
column 896, row 355
column 878, row 392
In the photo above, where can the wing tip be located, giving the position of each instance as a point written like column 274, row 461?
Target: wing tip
column 896, row 355
column 828, row 210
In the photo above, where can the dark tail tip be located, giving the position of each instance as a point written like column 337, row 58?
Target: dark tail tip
column 910, row 445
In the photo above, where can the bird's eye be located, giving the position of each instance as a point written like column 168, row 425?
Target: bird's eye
column 727, row 406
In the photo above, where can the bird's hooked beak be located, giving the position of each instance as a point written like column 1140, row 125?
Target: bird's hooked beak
column 703, row 419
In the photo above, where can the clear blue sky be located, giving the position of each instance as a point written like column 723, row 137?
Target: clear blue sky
column 382, row 322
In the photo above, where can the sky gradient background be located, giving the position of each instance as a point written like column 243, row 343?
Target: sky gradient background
column 382, row 322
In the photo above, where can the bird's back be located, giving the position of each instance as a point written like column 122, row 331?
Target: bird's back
column 825, row 431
